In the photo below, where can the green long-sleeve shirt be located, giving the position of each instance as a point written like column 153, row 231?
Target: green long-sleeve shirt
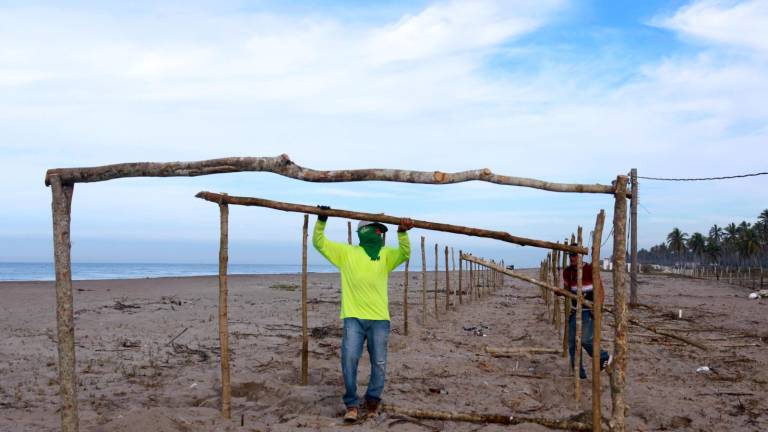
column 363, row 281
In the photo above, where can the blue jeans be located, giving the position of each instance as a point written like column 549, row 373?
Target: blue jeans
column 587, row 331
column 357, row 331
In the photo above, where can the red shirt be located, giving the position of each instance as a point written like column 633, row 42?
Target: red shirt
column 570, row 276
column 570, row 282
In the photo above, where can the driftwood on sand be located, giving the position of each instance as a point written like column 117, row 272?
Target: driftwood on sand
column 564, row 424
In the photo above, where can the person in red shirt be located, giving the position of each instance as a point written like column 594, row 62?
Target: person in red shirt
column 587, row 319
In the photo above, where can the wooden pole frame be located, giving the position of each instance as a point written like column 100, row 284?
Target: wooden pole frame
column 577, row 339
column 405, row 298
column 283, row 165
column 223, row 315
column 62, row 182
column 386, row 219
column 447, row 282
column 566, row 308
column 621, row 313
column 437, row 277
column 633, row 239
column 461, row 270
column 423, row 284
column 61, row 210
column 304, row 322
column 597, row 311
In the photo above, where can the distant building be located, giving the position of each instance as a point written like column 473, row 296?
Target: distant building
column 606, row 264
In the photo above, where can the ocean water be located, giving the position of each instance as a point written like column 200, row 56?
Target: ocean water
column 96, row 271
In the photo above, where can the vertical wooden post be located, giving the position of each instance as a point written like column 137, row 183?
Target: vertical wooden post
column 349, row 232
column 618, row 377
column 437, row 274
column 471, row 281
column 405, row 299
column 633, row 238
column 223, row 320
column 566, row 306
column 453, row 272
column 423, row 284
column 61, row 209
column 556, row 299
column 479, row 287
column 547, row 294
column 597, row 290
column 304, row 330
column 461, row 269
column 577, row 345
column 447, row 282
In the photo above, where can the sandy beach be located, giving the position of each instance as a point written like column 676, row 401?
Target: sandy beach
column 134, row 379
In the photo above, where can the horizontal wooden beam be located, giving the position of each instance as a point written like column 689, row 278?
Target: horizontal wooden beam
column 382, row 218
column 283, row 165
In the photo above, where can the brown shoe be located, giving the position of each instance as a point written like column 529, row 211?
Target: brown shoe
column 371, row 408
column 351, row 415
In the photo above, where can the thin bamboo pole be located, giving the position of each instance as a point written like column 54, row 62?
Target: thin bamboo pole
column 618, row 377
column 349, row 232
column 461, row 270
column 223, row 320
column 283, row 165
column 304, row 330
column 423, row 284
column 405, row 299
column 437, row 276
column 61, row 210
column 597, row 311
column 447, row 282
column 579, row 305
column 386, row 219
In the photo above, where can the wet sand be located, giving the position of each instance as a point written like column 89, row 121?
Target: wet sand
column 133, row 379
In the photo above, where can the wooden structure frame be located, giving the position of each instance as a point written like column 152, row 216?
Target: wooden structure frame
column 63, row 180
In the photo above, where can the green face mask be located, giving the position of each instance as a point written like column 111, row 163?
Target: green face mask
column 370, row 241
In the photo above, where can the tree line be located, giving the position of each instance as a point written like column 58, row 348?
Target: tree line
column 743, row 245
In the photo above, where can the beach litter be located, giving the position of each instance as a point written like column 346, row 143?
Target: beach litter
column 759, row 294
column 478, row 330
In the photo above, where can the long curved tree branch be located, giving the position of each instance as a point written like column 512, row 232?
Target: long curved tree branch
column 283, row 165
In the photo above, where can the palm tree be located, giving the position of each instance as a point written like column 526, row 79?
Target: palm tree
column 716, row 234
column 696, row 244
column 676, row 241
column 731, row 233
column 748, row 243
column 763, row 217
column 712, row 251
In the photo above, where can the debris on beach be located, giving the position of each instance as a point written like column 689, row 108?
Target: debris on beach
column 478, row 330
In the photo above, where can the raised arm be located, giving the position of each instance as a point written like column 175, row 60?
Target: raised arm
column 332, row 251
column 403, row 252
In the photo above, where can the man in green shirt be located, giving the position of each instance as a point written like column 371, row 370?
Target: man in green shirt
column 364, row 303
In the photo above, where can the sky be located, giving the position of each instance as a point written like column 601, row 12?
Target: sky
column 564, row 91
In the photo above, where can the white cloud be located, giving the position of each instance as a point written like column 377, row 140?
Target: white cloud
column 739, row 24
column 88, row 88
column 456, row 27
